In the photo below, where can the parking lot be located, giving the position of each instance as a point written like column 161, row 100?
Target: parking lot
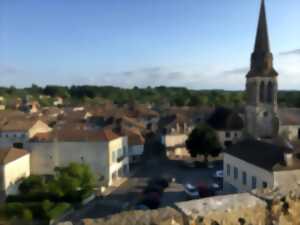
column 129, row 192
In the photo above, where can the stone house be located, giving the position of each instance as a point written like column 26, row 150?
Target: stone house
column 14, row 165
column 228, row 125
column 104, row 151
column 174, row 131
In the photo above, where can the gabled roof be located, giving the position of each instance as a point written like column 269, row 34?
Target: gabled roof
column 134, row 136
column 18, row 124
column 75, row 135
column 268, row 156
column 9, row 155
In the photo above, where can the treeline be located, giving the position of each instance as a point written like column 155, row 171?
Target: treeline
column 159, row 95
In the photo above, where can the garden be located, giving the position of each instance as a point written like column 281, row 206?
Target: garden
column 46, row 198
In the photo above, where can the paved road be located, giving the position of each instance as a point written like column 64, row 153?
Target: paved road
column 130, row 190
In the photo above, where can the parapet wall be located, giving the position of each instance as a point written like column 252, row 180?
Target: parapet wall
column 259, row 208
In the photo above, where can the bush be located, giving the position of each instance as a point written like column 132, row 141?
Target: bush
column 58, row 210
column 26, row 215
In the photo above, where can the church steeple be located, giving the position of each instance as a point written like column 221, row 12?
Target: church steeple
column 261, row 85
column 262, row 58
column 262, row 37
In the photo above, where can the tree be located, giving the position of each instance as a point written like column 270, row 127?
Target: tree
column 32, row 184
column 75, row 177
column 203, row 140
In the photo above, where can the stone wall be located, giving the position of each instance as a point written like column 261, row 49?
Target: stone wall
column 268, row 207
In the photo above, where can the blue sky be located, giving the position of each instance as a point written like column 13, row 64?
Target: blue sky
column 199, row 44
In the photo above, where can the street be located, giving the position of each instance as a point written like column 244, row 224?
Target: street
column 129, row 192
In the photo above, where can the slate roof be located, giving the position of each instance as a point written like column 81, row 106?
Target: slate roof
column 265, row 155
column 9, row 155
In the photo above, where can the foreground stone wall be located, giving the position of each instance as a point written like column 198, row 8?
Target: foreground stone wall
column 266, row 207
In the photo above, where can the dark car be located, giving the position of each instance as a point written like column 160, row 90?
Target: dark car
column 153, row 189
column 151, row 200
column 205, row 191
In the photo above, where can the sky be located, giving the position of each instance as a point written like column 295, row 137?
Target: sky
column 198, row 44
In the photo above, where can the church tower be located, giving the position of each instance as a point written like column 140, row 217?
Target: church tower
column 261, row 86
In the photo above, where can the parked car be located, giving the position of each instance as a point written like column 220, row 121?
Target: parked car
column 216, row 186
column 219, row 174
column 204, row 190
column 191, row 191
column 153, row 189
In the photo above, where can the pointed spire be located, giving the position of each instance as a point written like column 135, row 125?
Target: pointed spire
column 262, row 37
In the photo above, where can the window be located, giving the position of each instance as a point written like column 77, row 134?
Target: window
column 244, row 178
column 262, row 92
column 253, row 182
column 235, row 173
column 227, row 134
column 265, row 114
column 228, row 170
column 264, row 184
column 235, row 134
column 299, row 133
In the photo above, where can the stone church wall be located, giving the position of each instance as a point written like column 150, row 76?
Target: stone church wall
column 266, row 207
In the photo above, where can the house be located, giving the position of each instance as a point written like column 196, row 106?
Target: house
column 103, row 150
column 252, row 164
column 14, row 165
column 2, row 103
column 17, row 131
column 58, row 101
column 174, row 130
column 145, row 115
column 289, row 119
column 136, row 143
column 259, row 160
column 228, row 125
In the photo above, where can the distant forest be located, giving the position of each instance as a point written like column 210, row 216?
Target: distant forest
column 174, row 96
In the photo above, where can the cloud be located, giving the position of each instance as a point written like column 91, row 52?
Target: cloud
column 292, row 52
column 7, row 70
column 236, row 71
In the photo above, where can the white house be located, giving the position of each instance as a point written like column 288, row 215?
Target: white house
column 17, row 131
column 174, row 132
column 104, row 151
column 136, row 143
column 14, row 165
column 252, row 164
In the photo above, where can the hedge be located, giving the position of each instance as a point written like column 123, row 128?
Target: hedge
column 58, row 210
column 75, row 197
column 45, row 210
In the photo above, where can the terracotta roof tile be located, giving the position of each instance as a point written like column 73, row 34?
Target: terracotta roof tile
column 9, row 155
column 69, row 134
